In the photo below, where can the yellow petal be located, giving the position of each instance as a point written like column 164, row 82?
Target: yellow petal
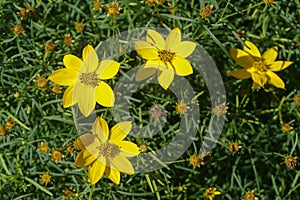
column 165, row 77
column 270, row 55
column 242, row 58
column 108, row 69
column 105, row 95
column 100, row 128
column 182, row 66
column 68, row 99
column 96, row 170
column 156, row 64
column 146, row 50
column 64, row 77
column 260, row 79
column 275, row 80
column 120, row 131
column 113, row 175
column 240, row 74
column 85, row 96
column 72, row 62
column 90, row 59
column 184, row 49
column 88, row 139
column 128, row 149
column 84, row 158
column 250, row 48
column 155, row 38
column 122, row 164
column 144, row 73
column 173, row 39
column 279, row 65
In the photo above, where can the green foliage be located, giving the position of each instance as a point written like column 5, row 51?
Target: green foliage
column 254, row 118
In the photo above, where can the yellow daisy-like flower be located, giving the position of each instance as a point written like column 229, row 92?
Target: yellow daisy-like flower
column 105, row 151
column 165, row 57
column 259, row 67
column 84, row 80
column 211, row 193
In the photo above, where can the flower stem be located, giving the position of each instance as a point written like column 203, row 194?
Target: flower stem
column 91, row 192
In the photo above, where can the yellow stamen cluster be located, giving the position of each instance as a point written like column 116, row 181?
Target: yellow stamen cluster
column 46, row 178
column 43, row 147
column 250, row 196
column 97, row 5
column 108, row 149
column 79, row 26
column 56, row 156
column 68, row 40
column 181, row 108
column 18, row 29
column 10, row 124
column 49, row 47
column 234, row 147
column 89, row 78
column 166, row 56
column 260, row 67
column 41, row 83
column 2, row 131
column 113, row 10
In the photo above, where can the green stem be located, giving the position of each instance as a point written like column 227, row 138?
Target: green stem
column 91, row 192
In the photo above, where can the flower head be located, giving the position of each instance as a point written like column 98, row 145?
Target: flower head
column 2, row 131
column 206, row 11
column 250, row 196
column 164, row 57
column 268, row 2
column 259, row 67
column 113, row 10
column 68, row 40
column 290, row 162
column 41, row 83
column 10, row 124
column 220, row 109
column 105, row 151
column 56, row 89
column 211, row 193
column 181, row 108
column 56, row 156
column 43, row 147
column 18, row 29
column 46, row 178
column 297, row 99
column 97, row 5
column 234, row 147
column 196, row 161
column 79, row 26
column 84, row 78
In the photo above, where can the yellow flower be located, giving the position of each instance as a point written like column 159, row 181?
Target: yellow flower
column 259, row 67
column 269, row 1
column 18, row 29
column 2, row 131
column 79, row 26
column 164, row 56
column 84, row 80
column 43, row 147
column 234, row 147
column 10, row 124
column 206, row 11
column 113, row 10
column 196, row 161
column 46, row 178
column 250, row 196
column 105, row 151
column 181, row 108
column 290, row 162
column 211, row 193
column 56, row 156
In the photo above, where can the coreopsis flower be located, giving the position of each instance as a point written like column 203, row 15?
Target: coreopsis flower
column 113, row 10
column 46, row 178
column 97, row 5
column 234, row 147
column 164, row 57
column 206, row 11
column 220, row 109
column 250, row 196
column 84, row 80
column 10, row 124
column 259, row 67
column 105, row 151
column 49, row 47
column 18, row 29
column 2, row 131
column 56, row 156
column 68, row 193
column 297, row 99
column 43, row 147
column 196, row 161
column 42, row 83
column 79, row 26
column 211, row 193
column 143, row 148
column 268, row 2
column 23, row 13
column 286, row 127
column 68, row 40
column 290, row 162
column 181, row 108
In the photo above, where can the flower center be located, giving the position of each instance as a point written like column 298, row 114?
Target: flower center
column 166, row 56
column 89, row 78
column 108, row 150
column 260, row 66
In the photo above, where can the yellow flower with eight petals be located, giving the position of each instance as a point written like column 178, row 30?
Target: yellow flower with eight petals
column 259, row 67
column 84, row 80
column 105, row 151
column 164, row 56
